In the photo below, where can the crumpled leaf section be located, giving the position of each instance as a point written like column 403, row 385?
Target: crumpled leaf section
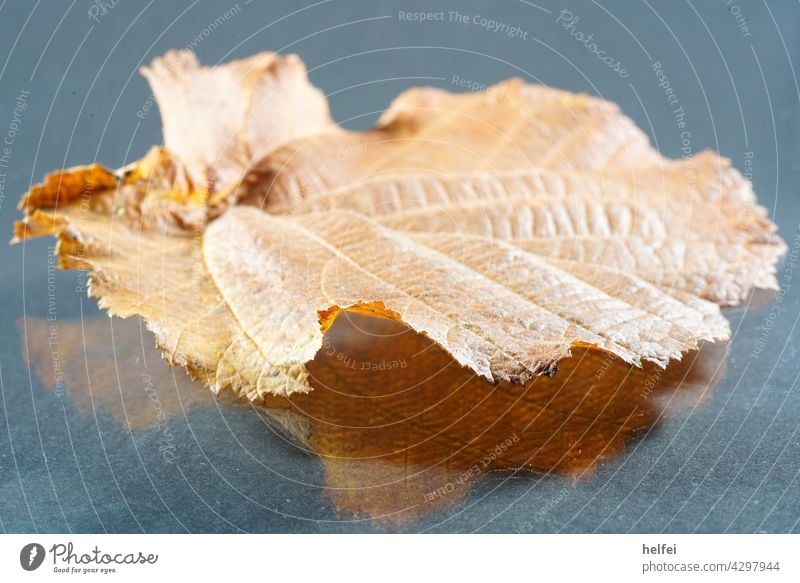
column 217, row 122
column 507, row 226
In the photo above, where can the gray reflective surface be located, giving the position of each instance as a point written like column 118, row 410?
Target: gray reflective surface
column 98, row 435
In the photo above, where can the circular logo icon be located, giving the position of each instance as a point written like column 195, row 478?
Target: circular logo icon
column 31, row 556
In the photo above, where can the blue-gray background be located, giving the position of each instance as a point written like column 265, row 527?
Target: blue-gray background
column 731, row 466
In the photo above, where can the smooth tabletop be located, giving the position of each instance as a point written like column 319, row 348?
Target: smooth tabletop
column 97, row 434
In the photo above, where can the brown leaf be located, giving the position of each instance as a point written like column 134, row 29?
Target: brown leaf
column 507, row 226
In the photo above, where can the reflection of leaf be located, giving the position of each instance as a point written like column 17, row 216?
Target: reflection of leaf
column 404, row 431
column 113, row 371
column 508, row 226
column 401, row 428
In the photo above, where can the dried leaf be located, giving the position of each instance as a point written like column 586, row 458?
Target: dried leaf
column 508, row 226
column 500, row 311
